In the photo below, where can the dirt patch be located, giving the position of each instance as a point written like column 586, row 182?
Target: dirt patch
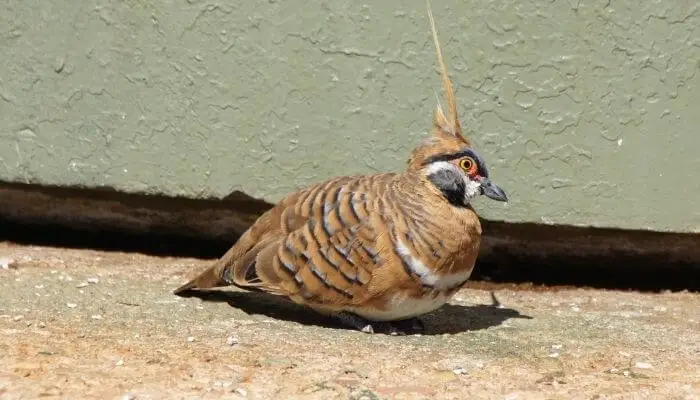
column 92, row 324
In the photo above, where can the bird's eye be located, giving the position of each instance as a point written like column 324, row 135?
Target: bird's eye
column 468, row 165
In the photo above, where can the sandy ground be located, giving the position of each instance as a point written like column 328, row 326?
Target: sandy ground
column 88, row 324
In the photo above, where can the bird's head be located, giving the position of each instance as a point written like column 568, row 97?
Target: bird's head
column 460, row 176
column 448, row 159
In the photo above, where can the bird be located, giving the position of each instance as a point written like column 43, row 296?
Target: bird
column 375, row 251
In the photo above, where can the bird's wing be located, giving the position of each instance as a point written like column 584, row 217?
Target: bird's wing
column 327, row 249
column 318, row 245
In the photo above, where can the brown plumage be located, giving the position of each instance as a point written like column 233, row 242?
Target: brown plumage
column 371, row 249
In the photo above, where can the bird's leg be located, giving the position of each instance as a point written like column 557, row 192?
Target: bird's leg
column 393, row 328
column 354, row 321
column 414, row 324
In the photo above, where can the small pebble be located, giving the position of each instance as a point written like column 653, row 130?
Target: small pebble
column 93, row 280
column 81, row 285
column 97, row 316
column 554, row 355
column 642, row 365
column 71, row 305
column 7, row 263
column 556, row 346
column 242, row 392
column 231, row 341
column 128, row 396
column 120, row 363
column 459, row 371
column 190, row 339
column 18, row 317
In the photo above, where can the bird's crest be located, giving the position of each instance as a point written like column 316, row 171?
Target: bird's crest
column 446, row 133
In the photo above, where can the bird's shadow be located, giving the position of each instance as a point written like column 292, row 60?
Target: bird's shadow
column 450, row 318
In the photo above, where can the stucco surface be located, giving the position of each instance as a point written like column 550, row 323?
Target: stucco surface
column 587, row 112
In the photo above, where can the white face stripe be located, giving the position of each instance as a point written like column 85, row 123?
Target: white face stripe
column 440, row 166
column 472, row 188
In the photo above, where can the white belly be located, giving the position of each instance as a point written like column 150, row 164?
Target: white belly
column 402, row 307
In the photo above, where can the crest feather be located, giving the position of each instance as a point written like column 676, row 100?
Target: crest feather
column 446, row 134
column 450, row 123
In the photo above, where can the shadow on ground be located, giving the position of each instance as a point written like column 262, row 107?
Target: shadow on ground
column 450, row 319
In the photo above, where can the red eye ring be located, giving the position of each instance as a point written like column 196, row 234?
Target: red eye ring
column 468, row 165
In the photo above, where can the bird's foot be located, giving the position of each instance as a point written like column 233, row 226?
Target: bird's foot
column 394, row 328
column 414, row 325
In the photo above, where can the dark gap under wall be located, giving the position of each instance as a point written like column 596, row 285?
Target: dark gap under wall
column 515, row 254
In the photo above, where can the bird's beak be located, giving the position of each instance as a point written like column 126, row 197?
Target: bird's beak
column 492, row 191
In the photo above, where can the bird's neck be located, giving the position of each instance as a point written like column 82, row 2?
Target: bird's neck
column 440, row 229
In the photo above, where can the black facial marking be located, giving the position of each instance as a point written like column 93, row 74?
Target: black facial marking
column 447, row 156
column 451, row 184
column 481, row 166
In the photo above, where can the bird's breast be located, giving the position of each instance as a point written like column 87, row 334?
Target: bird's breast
column 432, row 271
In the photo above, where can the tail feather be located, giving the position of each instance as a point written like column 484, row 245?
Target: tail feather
column 212, row 277
column 217, row 274
column 238, row 271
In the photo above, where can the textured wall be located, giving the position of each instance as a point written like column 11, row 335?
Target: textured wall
column 588, row 112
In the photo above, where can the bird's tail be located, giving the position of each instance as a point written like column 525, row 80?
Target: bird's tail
column 210, row 278
column 237, row 267
column 219, row 273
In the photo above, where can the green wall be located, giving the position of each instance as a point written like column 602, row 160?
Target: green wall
column 587, row 111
